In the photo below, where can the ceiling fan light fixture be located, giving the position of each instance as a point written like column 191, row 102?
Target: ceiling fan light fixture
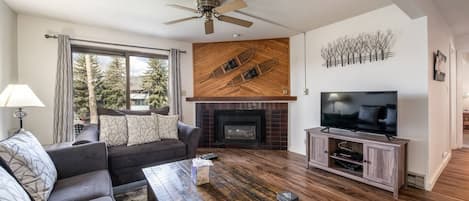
column 214, row 9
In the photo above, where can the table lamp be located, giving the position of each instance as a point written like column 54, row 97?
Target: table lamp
column 333, row 97
column 19, row 96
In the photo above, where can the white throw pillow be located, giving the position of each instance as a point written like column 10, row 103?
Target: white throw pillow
column 10, row 189
column 113, row 130
column 142, row 129
column 30, row 164
column 167, row 126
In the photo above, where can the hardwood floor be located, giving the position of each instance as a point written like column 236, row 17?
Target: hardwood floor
column 454, row 180
column 287, row 171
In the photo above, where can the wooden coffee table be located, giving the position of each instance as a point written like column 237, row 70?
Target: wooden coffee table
column 228, row 181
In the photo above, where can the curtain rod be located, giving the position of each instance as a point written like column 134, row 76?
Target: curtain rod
column 107, row 43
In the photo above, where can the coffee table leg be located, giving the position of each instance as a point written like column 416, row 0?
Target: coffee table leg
column 150, row 194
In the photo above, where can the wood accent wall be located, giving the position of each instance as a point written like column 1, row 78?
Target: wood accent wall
column 209, row 56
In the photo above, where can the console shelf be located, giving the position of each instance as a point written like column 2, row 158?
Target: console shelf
column 384, row 163
column 346, row 160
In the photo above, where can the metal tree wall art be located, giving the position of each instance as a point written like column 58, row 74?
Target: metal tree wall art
column 366, row 47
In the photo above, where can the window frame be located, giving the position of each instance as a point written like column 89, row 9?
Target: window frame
column 85, row 49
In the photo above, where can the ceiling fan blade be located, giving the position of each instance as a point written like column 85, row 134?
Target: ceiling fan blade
column 183, row 8
column 181, row 20
column 231, row 6
column 209, row 26
column 268, row 21
column 233, row 20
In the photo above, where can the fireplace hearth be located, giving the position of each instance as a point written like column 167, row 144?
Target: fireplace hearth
column 240, row 128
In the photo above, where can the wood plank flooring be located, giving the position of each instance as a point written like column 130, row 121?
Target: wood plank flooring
column 287, row 171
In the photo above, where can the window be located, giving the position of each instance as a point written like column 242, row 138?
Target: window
column 116, row 79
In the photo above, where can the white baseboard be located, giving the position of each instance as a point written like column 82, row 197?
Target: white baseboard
column 433, row 179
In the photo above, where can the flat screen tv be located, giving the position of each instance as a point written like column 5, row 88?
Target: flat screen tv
column 369, row 111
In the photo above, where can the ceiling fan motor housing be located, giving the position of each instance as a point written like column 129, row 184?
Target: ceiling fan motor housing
column 207, row 5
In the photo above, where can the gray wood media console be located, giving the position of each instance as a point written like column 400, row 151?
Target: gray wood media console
column 371, row 159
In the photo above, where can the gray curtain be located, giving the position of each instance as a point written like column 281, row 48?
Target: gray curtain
column 63, row 100
column 175, row 98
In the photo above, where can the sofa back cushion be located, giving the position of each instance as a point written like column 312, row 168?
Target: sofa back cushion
column 10, row 189
column 142, row 129
column 113, row 130
column 30, row 164
column 161, row 111
column 112, row 112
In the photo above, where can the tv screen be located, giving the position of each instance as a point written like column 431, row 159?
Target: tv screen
column 374, row 112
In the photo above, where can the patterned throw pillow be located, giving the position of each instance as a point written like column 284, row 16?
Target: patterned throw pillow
column 113, row 130
column 167, row 126
column 142, row 129
column 10, row 190
column 30, row 164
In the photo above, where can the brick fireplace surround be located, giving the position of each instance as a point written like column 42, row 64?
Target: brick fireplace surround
column 276, row 123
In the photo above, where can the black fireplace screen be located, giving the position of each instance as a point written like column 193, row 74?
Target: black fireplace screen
column 240, row 132
column 239, row 127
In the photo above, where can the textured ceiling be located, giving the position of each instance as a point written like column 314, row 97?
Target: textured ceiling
column 456, row 13
column 147, row 16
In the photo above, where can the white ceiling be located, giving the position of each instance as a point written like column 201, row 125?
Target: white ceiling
column 456, row 13
column 147, row 16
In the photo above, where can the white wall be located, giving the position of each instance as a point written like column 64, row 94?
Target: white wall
column 439, row 147
column 464, row 64
column 8, row 66
column 462, row 88
column 406, row 72
column 38, row 57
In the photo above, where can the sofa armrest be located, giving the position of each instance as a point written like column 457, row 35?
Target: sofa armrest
column 190, row 136
column 89, row 134
column 75, row 160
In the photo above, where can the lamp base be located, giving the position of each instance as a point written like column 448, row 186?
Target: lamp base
column 20, row 114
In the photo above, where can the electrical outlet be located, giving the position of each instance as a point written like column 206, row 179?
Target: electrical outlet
column 306, row 91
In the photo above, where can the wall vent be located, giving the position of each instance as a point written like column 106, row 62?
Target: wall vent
column 416, row 180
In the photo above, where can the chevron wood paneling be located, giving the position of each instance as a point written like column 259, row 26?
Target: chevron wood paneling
column 209, row 56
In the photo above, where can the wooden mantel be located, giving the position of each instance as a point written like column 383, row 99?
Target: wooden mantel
column 242, row 98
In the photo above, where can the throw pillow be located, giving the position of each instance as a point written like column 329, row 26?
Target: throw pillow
column 142, row 129
column 167, row 126
column 30, row 164
column 113, row 130
column 11, row 190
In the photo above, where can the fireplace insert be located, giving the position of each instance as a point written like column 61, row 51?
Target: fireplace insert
column 239, row 128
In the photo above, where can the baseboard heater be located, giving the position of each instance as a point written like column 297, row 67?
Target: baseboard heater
column 416, row 180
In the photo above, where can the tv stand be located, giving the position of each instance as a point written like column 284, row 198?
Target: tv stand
column 370, row 159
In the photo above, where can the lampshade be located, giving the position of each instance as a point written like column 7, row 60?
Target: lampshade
column 333, row 97
column 466, row 95
column 18, row 96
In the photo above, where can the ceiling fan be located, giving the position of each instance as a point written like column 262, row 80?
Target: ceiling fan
column 210, row 9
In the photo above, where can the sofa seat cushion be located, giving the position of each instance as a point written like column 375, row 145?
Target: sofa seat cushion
column 87, row 186
column 138, row 155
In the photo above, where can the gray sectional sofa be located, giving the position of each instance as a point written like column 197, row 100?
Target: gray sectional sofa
column 82, row 172
column 126, row 162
